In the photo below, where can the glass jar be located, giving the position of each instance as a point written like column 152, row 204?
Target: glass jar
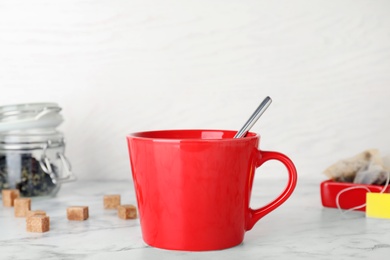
column 32, row 151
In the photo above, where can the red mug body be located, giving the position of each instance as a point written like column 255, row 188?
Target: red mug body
column 193, row 187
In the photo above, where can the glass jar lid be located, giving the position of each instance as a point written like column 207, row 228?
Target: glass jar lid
column 31, row 139
column 29, row 116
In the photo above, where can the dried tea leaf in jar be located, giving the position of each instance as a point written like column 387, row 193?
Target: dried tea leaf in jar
column 34, row 181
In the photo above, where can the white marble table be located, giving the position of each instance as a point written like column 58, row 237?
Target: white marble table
column 299, row 229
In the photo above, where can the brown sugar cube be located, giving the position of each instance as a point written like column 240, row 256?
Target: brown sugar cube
column 22, row 206
column 127, row 212
column 112, row 201
column 38, row 223
column 9, row 196
column 77, row 213
column 31, row 213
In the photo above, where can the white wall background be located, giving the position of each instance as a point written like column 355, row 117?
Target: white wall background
column 119, row 66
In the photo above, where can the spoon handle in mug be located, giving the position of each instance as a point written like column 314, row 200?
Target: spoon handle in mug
column 254, row 117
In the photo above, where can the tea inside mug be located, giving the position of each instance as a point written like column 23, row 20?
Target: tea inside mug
column 190, row 134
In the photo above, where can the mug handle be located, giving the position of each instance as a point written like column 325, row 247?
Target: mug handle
column 263, row 156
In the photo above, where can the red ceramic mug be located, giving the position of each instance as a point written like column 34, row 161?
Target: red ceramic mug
column 193, row 187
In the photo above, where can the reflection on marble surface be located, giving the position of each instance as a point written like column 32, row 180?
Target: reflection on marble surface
column 300, row 229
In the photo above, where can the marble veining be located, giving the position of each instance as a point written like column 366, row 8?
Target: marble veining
column 300, row 229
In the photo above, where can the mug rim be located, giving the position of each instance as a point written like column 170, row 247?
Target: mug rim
column 140, row 135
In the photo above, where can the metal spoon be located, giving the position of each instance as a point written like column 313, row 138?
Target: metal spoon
column 254, row 117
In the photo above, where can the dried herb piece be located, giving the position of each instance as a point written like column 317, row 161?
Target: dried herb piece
column 33, row 180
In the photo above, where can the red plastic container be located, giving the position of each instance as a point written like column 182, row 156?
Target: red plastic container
column 348, row 199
